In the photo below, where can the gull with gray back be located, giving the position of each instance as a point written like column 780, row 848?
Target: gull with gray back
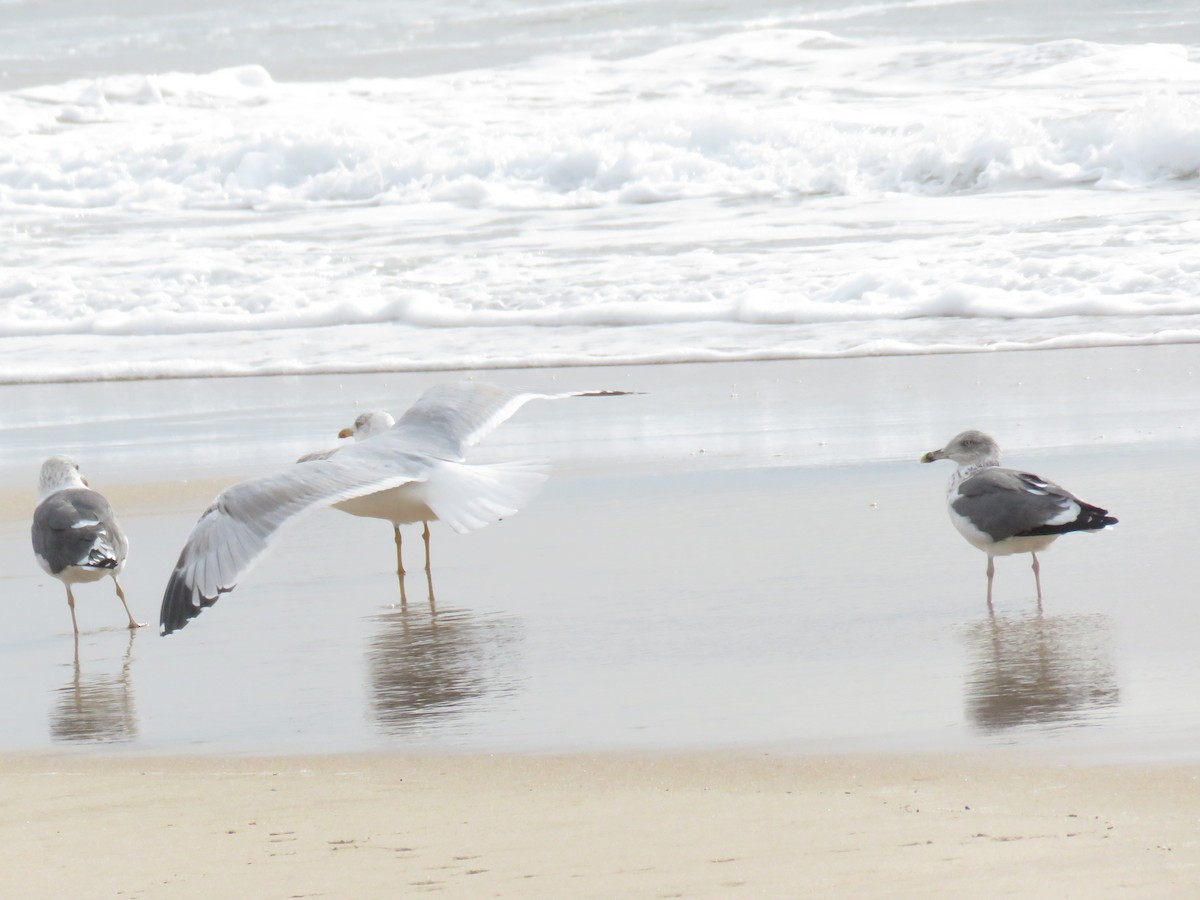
column 76, row 536
column 1004, row 511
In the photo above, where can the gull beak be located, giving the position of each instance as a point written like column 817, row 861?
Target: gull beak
column 346, row 432
column 85, row 481
column 933, row 455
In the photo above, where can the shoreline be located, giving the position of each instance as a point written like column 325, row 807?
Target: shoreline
column 750, row 357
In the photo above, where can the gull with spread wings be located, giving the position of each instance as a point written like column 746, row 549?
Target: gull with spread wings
column 418, row 464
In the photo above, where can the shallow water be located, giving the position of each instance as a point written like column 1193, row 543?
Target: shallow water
column 701, row 572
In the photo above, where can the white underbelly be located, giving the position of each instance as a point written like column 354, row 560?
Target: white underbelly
column 84, row 574
column 1006, row 547
column 1035, row 544
column 399, row 505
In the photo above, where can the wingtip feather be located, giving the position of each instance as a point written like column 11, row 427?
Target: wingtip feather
column 182, row 602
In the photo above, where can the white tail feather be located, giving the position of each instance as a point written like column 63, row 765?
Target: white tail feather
column 467, row 497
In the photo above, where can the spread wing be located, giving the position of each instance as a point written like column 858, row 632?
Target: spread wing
column 244, row 519
column 449, row 418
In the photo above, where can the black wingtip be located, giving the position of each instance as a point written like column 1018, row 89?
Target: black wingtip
column 98, row 559
column 1093, row 518
column 1090, row 518
column 178, row 606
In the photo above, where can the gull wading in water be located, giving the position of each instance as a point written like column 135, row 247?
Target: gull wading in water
column 412, row 471
column 76, row 537
column 1005, row 511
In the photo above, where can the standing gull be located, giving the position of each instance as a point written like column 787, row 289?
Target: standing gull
column 1005, row 511
column 419, row 462
column 76, row 537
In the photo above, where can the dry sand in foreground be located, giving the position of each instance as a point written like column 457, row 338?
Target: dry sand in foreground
column 596, row 826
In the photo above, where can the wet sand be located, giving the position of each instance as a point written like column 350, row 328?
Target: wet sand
column 736, row 585
column 747, row 555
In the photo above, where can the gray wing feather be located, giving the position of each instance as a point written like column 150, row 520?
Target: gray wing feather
column 77, row 527
column 1004, row 503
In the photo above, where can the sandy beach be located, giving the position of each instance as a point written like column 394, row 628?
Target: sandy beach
column 734, row 643
column 694, row 825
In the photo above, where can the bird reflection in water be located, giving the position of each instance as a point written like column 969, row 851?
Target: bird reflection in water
column 427, row 665
column 96, row 707
column 1037, row 670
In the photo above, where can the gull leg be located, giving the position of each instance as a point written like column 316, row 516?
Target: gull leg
column 133, row 623
column 399, row 554
column 991, row 570
column 71, row 603
column 429, row 571
column 1037, row 576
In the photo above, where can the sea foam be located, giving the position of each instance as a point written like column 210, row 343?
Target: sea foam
column 695, row 201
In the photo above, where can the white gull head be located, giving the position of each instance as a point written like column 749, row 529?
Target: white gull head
column 368, row 425
column 971, row 449
column 59, row 473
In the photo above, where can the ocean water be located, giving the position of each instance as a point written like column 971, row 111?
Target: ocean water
column 259, row 188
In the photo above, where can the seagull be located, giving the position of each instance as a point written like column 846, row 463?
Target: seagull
column 1005, row 511
column 412, row 471
column 76, row 537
